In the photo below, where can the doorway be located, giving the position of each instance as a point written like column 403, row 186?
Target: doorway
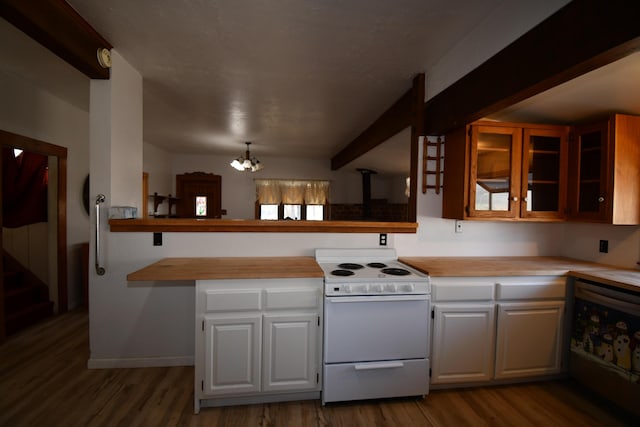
column 58, row 159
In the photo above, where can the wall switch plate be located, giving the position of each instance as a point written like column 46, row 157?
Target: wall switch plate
column 458, row 226
column 383, row 239
column 157, row 239
column 604, row 246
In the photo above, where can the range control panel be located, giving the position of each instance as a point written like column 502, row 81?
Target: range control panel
column 389, row 288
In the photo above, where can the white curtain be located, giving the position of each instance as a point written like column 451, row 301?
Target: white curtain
column 268, row 192
column 291, row 191
column 316, row 193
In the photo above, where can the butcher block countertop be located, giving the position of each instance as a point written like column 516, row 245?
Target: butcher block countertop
column 525, row 266
column 229, row 268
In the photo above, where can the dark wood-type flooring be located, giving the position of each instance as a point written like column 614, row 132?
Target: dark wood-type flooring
column 44, row 381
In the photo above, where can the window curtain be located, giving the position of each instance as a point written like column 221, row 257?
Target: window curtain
column 268, row 191
column 316, row 193
column 24, row 188
column 291, row 192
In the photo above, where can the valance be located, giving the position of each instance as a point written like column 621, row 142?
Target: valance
column 292, row 191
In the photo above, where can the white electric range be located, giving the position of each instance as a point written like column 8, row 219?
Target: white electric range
column 376, row 325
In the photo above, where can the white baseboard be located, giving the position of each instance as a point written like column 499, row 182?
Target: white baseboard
column 140, row 362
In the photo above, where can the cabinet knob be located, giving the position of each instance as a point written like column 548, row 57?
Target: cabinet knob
column 525, row 200
column 600, row 199
column 514, row 198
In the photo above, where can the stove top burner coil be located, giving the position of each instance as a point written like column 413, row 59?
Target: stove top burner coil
column 396, row 271
column 376, row 265
column 350, row 266
column 342, row 273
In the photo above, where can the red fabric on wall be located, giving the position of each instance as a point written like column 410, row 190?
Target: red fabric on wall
column 24, row 188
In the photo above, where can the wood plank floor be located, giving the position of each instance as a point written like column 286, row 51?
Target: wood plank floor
column 44, row 382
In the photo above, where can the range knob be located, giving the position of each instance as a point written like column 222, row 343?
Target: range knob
column 409, row 287
column 376, row 288
column 391, row 287
column 347, row 289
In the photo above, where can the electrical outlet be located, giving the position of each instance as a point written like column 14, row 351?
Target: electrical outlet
column 157, row 239
column 604, row 246
column 458, row 226
column 383, row 239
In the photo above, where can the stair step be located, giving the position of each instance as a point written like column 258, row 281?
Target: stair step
column 17, row 298
column 28, row 316
column 12, row 279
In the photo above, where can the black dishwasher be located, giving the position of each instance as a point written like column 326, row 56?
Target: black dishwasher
column 605, row 342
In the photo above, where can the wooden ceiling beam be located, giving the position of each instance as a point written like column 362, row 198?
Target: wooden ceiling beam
column 58, row 27
column 580, row 37
column 406, row 111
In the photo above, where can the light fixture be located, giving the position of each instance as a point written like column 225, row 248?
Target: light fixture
column 247, row 162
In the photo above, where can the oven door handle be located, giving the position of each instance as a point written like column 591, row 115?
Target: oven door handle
column 377, row 298
column 381, row 365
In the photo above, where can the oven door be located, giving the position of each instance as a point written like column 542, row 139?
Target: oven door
column 373, row 328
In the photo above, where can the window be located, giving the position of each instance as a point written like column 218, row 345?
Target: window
column 315, row 212
column 268, row 212
column 201, row 205
column 291, row 199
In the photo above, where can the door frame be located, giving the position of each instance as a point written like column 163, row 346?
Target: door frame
column 8, row 139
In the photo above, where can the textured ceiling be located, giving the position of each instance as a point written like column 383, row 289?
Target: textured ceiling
column 299, row 78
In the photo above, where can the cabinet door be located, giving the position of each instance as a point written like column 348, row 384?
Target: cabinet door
column 232, row 355
column 588, row 196
column 495, row 171
column 544, row 173
column 463, row 343
column 290, row 360
column 529, row 341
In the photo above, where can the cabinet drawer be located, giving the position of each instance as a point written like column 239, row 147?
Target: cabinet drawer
column 462, row 291
column 232, row 300
column 552, row 289
column 277, row 299
column 356, row 381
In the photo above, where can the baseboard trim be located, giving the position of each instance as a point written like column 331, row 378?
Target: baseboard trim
column 259, row 398
column 140, row 362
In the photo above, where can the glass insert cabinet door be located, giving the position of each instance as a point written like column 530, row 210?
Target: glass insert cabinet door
column 495, row 171
column 590, row 159
column 544, row 173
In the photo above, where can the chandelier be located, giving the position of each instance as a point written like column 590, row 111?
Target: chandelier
column 247, row 162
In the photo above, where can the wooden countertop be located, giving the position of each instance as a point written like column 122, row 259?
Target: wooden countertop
column 306, row 267
column 229, row 268
column 525, row 266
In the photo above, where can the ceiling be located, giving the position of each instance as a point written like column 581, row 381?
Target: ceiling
column 298, row 78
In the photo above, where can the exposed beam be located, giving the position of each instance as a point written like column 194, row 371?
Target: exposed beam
column 58, row 27
column 580, row 37
column 400, row 115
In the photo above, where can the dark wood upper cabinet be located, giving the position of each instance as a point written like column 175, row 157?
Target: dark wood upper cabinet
column 506, row 171
column 605, row 171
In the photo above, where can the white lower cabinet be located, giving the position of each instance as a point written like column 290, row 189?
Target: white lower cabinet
column 290, row 352
column 463, row 343
column 497, row 328
column 257, row 340
column 232, row 355
column 530, row 339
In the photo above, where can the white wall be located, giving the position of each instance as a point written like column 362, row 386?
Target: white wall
column 582, row 241
column 33, row 112
column 157, row 163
